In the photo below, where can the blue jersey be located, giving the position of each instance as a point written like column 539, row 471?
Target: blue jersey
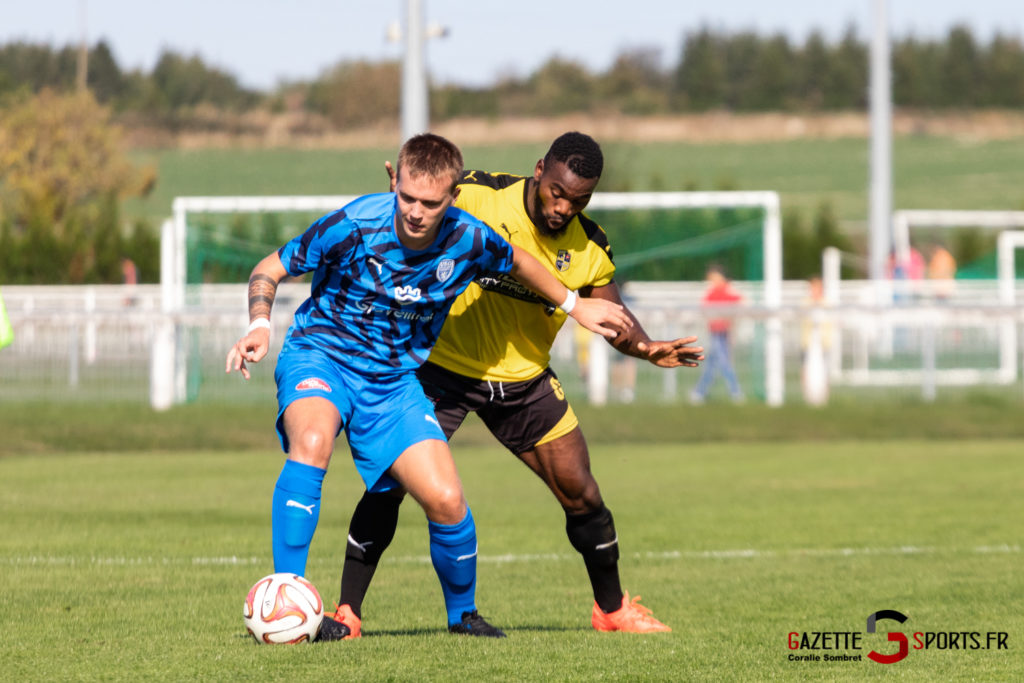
column 375, row 305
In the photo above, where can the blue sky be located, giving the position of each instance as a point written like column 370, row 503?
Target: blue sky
column 263, row 41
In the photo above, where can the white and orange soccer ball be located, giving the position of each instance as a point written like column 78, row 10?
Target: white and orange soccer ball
column 283, row 608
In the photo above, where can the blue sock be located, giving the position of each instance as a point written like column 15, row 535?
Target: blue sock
column 453, row 552
column 294, row 515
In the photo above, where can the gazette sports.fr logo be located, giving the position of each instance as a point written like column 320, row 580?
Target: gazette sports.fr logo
column 850, row 646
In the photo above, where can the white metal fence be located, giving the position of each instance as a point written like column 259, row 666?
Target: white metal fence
column 100, row 343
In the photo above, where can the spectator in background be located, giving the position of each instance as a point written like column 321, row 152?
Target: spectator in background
column 941, row 272
column 130, row 276
column 905, row 273
column 719, row 292
column 910, row 268
column 815, row 342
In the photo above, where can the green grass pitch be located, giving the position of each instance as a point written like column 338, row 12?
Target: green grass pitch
column 134, row 565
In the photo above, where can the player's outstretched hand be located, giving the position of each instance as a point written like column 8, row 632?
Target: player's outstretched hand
column 604, row 317
column 391, row 175
column 672, row 354
column 252, row 348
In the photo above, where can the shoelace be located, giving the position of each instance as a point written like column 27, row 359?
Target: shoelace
column 635, row 604
column 337, row 611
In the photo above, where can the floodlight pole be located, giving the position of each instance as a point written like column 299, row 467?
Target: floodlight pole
column 415, row 94
column 82, row 66
column 880, row 208
column 415, row 102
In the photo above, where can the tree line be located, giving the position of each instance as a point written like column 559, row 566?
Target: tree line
column 176, row 81
column 62, row 176
column 741, row 71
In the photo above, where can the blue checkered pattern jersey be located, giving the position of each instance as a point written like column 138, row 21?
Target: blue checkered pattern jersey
column 375, row 305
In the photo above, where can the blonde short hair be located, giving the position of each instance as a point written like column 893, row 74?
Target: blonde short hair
column 432, row 155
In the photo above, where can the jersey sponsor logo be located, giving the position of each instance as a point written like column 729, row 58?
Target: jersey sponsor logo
column 369, row 308
column 374, row 261
column 509, row 286
column 407, row 294
column 312, row 383
column 562, row 260
column 296, row 504
column 445, row 268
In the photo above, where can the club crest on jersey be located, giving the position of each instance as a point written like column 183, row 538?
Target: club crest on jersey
column 445, row 268
column 407, row 294
column 562, row 260
column 312, row 383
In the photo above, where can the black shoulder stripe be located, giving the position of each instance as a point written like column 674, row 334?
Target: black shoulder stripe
column 596, row 234
column 328, row 221
column 314, row 231
column 495, row 181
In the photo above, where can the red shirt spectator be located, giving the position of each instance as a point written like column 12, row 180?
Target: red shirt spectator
column 720, row 292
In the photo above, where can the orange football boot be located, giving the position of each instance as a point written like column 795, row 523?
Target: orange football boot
column 632, row 617
column 342, row 625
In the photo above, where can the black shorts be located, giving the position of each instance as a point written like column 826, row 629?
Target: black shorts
column 521, row 415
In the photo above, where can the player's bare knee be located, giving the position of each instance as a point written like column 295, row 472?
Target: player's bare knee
column 591, row 499
column 446, row 506
column 582, row 506
column 312, row 447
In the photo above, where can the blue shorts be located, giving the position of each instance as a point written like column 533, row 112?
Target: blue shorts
column 381, row 417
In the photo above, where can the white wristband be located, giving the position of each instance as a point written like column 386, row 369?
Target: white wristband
column 569, row 303
column 257, row 323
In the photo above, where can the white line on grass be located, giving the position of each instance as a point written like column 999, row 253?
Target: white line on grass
column 737, row 554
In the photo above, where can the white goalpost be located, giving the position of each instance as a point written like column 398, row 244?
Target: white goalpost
column 879, row 319
column 168, row 378
column 774, row 359
column 904, row 221
column 173, row 238
column 168, row 372
column 1009, row 242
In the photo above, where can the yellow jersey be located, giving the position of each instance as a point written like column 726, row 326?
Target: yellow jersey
column 498, row 330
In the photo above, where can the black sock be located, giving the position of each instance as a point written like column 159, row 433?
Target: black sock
column 593, row 536
column 369, row 533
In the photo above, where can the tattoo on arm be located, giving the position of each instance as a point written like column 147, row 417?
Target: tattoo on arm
column 262, row 290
